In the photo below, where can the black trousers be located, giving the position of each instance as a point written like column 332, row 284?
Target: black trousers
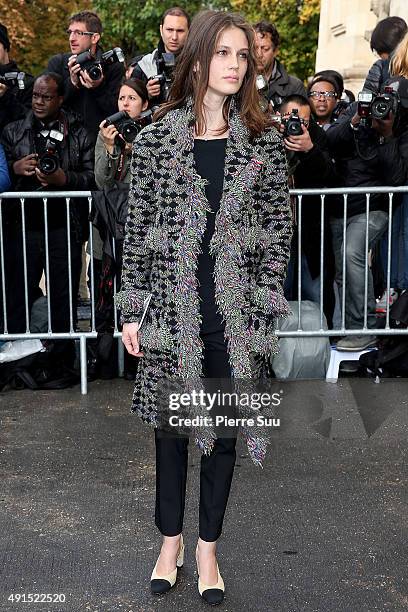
column 216, row 470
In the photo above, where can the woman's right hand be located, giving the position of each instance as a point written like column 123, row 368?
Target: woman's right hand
column 108, row 134
column 131, row 339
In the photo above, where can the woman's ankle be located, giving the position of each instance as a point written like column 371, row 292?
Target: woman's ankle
column 171, row 541
column 209, row 548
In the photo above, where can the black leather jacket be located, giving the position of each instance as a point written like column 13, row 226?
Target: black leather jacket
column 77, row 160
column 378, row 74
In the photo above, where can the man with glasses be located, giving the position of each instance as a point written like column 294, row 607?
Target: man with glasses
column 280, row 83
column 93, row 100
column 324, row 92
column 48, row 150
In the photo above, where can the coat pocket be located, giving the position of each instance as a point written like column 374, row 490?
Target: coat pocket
column 156, row 334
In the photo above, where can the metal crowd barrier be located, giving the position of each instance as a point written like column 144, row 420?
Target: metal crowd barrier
column 83, row 336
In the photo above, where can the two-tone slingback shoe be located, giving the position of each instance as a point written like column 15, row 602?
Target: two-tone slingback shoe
column 162, row 584
column 213, row 594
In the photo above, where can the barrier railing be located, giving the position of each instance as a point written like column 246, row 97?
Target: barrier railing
column 83, row 336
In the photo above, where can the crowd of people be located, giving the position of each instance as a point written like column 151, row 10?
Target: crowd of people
column 71, row 128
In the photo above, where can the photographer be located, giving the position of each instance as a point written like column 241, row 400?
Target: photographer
column 369, row 151
column 385, row 37
column 112, row 174
column 280, row 83
column 15, row 86
column 324, row 93
column 92, row 98
column 310, row 166
column 113, row 152
column 48, row 150
column 173, row 33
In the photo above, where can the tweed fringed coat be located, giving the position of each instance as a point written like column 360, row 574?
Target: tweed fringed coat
column 250, row 244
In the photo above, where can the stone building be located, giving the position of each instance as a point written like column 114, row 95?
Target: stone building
column 344, row 35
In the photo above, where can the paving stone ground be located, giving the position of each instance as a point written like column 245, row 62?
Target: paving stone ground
column 323, row 527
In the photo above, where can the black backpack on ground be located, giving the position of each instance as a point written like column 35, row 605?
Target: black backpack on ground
column 391, row 359
column 41, row 371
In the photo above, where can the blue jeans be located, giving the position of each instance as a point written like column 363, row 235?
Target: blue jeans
column 310, row 286
column 355, row 264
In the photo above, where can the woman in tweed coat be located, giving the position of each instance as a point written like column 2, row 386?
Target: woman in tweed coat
column 215, row 279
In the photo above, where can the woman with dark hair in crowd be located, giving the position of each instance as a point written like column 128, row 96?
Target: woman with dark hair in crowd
column 385, row 37
column 112, row 176
column 207, row 238
column 112, row 155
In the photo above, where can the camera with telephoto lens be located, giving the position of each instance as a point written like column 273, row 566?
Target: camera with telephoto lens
column 11, row 79
column 262, row 87
column 49, row 161
column 94, row 67
column 165, row 63
column 293, row 124
column 128, row 128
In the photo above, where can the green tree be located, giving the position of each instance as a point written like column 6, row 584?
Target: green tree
column 134, row 25
column 298, row 25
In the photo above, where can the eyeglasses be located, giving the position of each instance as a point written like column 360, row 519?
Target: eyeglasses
column 45, row 97
column 79, row 33
column 325, row 94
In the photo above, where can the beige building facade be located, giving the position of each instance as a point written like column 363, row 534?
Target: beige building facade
column 344, row 35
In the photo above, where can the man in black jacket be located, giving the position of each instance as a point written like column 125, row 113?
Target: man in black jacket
column 310, row 166
column 46, row 132
column 280, row 83
column 370, row 155
column 15, row 86
column 93, row 100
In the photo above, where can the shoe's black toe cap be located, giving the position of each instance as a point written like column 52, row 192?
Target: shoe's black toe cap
column 213, row 596
column 159, row 586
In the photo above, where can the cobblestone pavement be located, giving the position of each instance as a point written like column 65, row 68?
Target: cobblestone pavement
column 322, row 527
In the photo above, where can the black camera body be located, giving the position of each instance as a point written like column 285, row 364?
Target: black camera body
column 12, row 79
column 165, row 63
column 49, row 161
column 128, row 128
column 378, row 106
column 94, row 67
column 293, row 124
column 385, row 103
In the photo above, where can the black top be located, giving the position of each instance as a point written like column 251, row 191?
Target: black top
column 209, row 157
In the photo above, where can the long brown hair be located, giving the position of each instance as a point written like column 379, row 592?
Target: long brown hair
column 199, row 50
